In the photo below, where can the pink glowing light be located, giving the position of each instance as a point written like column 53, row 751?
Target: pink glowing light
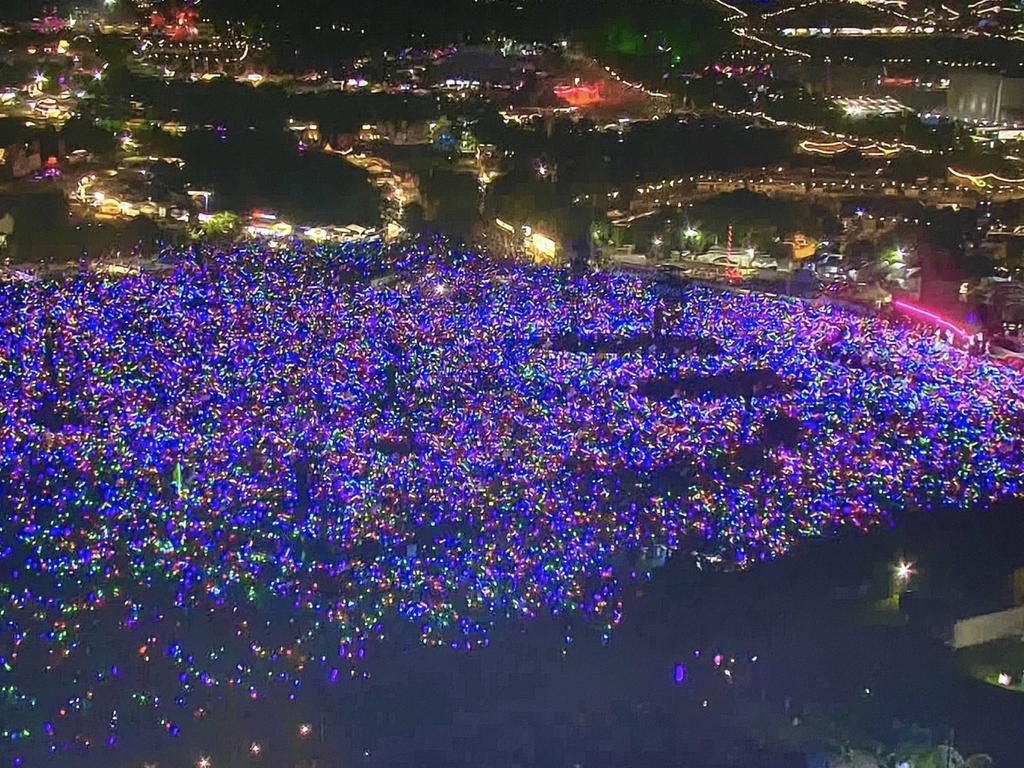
column 930, row 317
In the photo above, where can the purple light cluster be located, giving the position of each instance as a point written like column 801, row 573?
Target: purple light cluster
column 255, row 464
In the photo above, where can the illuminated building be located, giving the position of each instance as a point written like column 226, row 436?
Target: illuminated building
column 870, row 106
column 307, row 132
column 182, row 46
column 802, row 246
column 525, row 240
column 541, row 247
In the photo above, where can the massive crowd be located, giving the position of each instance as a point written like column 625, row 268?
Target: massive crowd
column 239, row 473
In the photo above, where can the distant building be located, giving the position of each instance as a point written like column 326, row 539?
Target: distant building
column 1001, row 305
column 978, row 630
column 6, row 230
column 986, row 96
column 22, row 160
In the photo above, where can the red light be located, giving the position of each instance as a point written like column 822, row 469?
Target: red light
column 897, row 81
column 581, row 94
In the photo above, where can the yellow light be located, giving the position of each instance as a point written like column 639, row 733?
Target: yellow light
column 904, row 570
column 543, row 245
column 981, row 180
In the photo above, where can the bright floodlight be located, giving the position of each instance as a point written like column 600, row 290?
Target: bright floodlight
column 904, row 571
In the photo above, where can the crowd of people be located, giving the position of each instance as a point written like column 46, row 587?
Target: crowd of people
column 252, row 466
